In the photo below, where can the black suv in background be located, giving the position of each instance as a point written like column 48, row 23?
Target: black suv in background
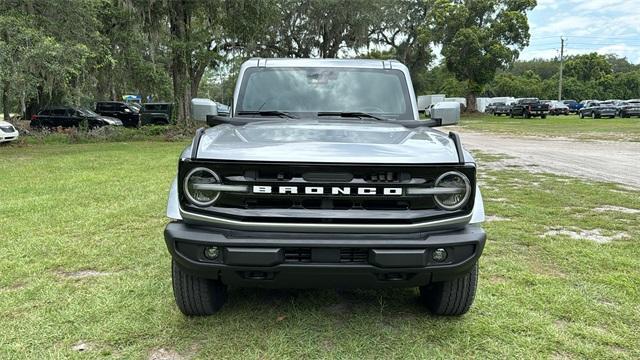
column 596, row 110
column 529, row 107
column 629, row 108
column 498, row 108
column 156, row 114
column 127, row 113
column 68, row 116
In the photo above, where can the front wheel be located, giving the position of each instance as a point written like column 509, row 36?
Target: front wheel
column 451, row 297
column 581, row 115
column 543, row 116
column 196, row 296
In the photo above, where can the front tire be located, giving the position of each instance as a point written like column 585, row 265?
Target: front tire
column 196, row 296
column 452, row 297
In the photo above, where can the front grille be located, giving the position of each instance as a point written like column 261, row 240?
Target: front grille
column 378, row 178
column 7, row 129
column 326, row 207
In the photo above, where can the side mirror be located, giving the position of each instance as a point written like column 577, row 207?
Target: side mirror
column 446, row 113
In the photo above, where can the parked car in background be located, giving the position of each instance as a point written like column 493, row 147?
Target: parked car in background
column 529, row 107
column 558, row 108
column 629, row 108
column 68, row 116
column 223, row 110
column 128, row 113
column 498, row 108
column 573, row 105
column 156, row 114
column 596, row 110
column 8, row 132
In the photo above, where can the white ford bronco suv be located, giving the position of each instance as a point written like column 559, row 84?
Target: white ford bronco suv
column 323, row 175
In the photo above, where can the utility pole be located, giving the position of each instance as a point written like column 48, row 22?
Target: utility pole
column 561, row 65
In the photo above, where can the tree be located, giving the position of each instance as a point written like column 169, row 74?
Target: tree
column 402, row 27
column 478, row 37
column 588, row 67
column 48, row 60
column 318, row 28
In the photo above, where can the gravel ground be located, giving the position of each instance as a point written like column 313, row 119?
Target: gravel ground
column 613, row 161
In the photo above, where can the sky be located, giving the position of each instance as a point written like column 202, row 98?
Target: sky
column 602, row 26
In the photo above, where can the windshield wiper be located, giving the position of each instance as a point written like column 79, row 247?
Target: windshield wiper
column 268, row 113
column 352, row 114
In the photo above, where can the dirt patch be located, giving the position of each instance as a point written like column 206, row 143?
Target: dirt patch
column 620, row 209
column 497, row 279
column 13, row 287
column 82, row 346
column 165, row 354
column 492, row 218
column 561, row 324
column 341, row 308
column 594, row 235
column 82, row 274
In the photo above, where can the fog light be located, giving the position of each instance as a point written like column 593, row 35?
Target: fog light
column 439, row 255
column 211, row 252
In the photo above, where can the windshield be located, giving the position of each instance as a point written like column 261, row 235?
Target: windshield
column 313, row 90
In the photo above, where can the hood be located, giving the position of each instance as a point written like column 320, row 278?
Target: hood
column 345, row 141
column 4, row 123
column 110, row 120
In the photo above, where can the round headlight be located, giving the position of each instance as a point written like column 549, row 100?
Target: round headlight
column 459, row 190
column 197, row 189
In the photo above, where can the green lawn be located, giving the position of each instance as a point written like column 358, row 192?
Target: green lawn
column 100, row 208
column 557, row 126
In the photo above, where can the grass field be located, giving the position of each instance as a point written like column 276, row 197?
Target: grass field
column 84, row 267
column 557, row 126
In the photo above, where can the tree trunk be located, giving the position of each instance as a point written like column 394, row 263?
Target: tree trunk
column 196, row 77
column 471, row 103
column 5, row 100
column 179, row 18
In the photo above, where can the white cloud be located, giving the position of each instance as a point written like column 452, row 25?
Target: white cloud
column 603, row 26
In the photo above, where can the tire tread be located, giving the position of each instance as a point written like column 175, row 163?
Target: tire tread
column 453, row 297
column 196, row 296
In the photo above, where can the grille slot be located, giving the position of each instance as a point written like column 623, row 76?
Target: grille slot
column 354, row 255
column 297, row 255
column 347, row 255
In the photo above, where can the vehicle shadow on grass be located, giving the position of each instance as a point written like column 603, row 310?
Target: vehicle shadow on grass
column 342, row 303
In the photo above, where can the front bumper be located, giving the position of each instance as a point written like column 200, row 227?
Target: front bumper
column 6, row 137
column 312, row 260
